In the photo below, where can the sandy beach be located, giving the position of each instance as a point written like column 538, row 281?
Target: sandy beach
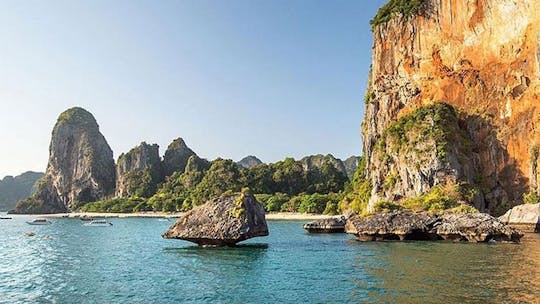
column 279, row 216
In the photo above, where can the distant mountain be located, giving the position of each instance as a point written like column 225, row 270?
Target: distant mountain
column 347, row 167
column 13, row 189
column 249, row 161
column 351, row 164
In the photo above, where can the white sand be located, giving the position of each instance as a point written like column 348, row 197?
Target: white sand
column 285, row 216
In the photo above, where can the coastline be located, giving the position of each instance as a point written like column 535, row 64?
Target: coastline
column 277, row 216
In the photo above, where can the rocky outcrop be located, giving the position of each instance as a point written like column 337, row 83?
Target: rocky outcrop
column 249, row 161
column 330, row 225
column 176, row 157
column 482, row 58
column 80, row 169
column 309, row 163
column 139, row 171
column 404, row 225
column 223, row 221
column 351, row 164
column 523, row 217
column 13, row 189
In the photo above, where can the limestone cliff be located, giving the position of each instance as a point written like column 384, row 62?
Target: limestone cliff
column 482, row 59
column 139, row 171
column 249, row 161
column 317, row 161
column 80, row 167
column 13, row 189
column 351, row 164
column 176, row 157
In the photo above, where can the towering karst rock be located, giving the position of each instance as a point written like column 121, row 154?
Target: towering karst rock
column 176, row 157
column 80, row 168
column 139, row 171
column 453, row 96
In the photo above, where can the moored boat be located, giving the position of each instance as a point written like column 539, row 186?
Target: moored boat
column 39, row 221
column 98, row 223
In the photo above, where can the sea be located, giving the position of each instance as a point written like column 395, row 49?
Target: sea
column 130, row 262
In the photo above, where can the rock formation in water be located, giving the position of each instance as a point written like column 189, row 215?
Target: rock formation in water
column 405, row 225
column 249, row 161
column 139, row 171
column 13, row 189
column 223, row 221
column 330, row 225
column 453, row 97
column 523, row 217
column 80, row 169
column 176, row 157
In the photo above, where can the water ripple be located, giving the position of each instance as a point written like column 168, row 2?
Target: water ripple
column 130, row 263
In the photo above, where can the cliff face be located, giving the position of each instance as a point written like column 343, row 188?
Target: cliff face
column 80, row 167
column 481, row 57
column 13, row 189
column 176, row 157
column 249, row 161
column 317, row 161
column 139, row 171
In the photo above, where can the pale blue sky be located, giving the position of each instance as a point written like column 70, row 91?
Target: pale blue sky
column 271, row 78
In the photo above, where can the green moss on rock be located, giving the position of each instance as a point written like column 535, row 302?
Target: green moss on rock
column 405, row 8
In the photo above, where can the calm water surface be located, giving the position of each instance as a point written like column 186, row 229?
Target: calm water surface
column 130, row 263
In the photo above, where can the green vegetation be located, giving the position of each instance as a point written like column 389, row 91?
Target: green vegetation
column 531, row 198
column 283, row 186
column 438, row 122
column 438, row 198
column 117, row 205
column 386, row 206
column 464, row 209
column 77, row 116
column 406, row 8
column 142, row 183
column 357, row 192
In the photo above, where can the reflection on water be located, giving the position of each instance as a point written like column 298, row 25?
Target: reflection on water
column 130, row 263
column 417, row 272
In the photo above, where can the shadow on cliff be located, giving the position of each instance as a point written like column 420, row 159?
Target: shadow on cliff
column 497, row 176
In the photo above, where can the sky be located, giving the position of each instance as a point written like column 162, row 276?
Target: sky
column 272, row 78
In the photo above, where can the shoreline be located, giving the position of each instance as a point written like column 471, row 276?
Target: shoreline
column 277, row 216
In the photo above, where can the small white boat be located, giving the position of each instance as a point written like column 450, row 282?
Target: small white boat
column 164, row 219
column 98, row 223
column 39, row 221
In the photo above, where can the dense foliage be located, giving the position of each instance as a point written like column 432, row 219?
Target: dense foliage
column 283, row 186
column 358, row 191
column 117, row 205
column 406, row 8
column 531, row 198
column 438, row 121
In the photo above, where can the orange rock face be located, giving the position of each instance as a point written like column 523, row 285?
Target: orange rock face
column 483, row 58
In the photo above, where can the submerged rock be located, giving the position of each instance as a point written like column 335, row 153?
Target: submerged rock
column 524, row 217
column 330, row 225
column 405, row 225
column 223, row 221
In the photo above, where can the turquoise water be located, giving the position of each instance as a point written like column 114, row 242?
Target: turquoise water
column 130, row 263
